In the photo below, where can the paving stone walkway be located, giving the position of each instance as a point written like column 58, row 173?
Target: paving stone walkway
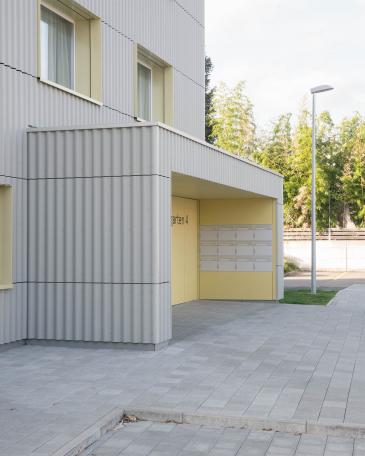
column 155, row 439
column 228, row 358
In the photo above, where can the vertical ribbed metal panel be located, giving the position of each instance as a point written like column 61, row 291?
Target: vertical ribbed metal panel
column 98, row 236
column 189, row 98
column 162, row 26
column 192, row 157
column 279, row 250
column 18, row 37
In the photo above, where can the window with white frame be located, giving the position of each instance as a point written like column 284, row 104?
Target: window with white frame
column 70, row 48
column 144, row 92
column 153, row 87
column 57, row 48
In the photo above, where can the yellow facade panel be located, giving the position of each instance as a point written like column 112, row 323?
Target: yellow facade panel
column 236, row 285
column 236, row 211
column 6, row 234
column 184, row 250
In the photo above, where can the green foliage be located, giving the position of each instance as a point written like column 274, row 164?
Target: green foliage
column 352, row 136
column 208, row 99
column 322, row 297
column 290, row 266
column 233, row 126
column 340, row 161
column 276, row 146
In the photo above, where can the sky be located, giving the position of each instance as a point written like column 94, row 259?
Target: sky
column 281, row 48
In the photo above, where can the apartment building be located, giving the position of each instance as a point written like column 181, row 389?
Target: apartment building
column 112, row 206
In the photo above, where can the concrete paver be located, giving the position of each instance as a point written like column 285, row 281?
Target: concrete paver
column 332, row 280
column 262, row 360
column 187, row 440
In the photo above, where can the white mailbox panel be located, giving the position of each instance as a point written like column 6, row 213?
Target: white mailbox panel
column 245, row 266
column 229, row 250
column 245, row 235
column 208, row 250
column 263, row 266
column 263, row 235
column 236, row 248
column 245, row 250
column 263, row 250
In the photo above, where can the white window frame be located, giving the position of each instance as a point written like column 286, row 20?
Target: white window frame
column 73, row 60
column 139, row 62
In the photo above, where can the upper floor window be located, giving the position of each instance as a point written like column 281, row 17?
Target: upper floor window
column 153, row 88
column 57, row 48
column 70, row 48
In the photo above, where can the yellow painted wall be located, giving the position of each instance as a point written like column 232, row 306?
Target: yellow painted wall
column 6, row 233
column 184, row 226
column 239, row 285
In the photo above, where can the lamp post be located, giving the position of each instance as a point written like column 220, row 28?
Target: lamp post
column 314, row 91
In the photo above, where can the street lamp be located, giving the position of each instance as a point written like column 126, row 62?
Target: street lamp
column 314, row 91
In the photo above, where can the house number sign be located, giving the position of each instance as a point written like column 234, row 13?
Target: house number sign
column 179, row 220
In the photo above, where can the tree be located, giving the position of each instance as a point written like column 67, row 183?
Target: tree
column 352, row 134
column 232, row 121
column 298, row 176
column 276, row 146
column 330, row 168
column 208, row 99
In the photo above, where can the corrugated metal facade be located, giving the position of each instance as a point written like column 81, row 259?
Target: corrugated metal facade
column 166, row 27
column 98, row 223
column 99, row 227
column 187, row 155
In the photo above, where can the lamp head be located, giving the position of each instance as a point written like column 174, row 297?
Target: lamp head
column 321, row 88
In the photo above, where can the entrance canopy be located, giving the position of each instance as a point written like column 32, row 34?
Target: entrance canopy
column 99, row 226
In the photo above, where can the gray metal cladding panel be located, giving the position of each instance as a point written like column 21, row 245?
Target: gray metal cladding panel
column 189, row 106
column 118, row 71
column 98, row 230
column 195, row 8
column 26, row 101
column 18, row 35
column 13, row 313
column 100, row 312
column 90, row 153
column 191, row 157
column 162, row 26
